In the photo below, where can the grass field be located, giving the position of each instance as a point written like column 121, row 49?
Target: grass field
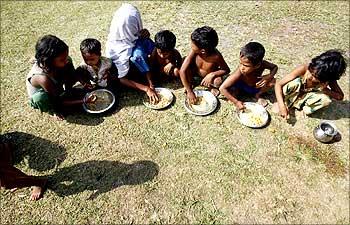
column 144, row 166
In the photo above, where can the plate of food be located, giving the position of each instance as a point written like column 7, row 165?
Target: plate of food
column 254, row 115
column 98, row 101
column 205, row 104
column 165, row 96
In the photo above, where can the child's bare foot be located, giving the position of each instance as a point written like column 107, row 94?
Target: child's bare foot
column 36, row 193
column 275, row 108
column 300, row 114
column 262, row 102
column 215, row 91
column 57, row 117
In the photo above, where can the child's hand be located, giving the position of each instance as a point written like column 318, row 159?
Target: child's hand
column 264, row 81
column 240, row 105
column 167, row 68
column 106, row 75
column 208, row 80
column 152, row 86
column 284, row 112
column 88, row 86
column 153, row 97
column 91, row 99
column 191, row 97
column 144, row 33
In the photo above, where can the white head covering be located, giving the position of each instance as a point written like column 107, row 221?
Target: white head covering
column 123, row 33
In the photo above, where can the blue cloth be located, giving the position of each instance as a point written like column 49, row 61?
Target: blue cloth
column 139, row 56
column 245, row 87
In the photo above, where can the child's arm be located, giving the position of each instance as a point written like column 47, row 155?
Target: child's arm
column 222, row 70
column 83, row 77
column 184, row 78
column 45, row 83
column 268, row 77
column 151, row 93
column 334, row 91
column 227, row 84
column 299, row 71
column 177, row 59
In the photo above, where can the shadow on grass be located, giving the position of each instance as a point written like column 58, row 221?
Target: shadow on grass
column 42, row 154
column 100, row 176
column 335, row 111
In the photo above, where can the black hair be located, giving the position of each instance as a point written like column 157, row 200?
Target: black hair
column 47, row 49
column 254, row 51
column 205, row 38
column 328, row 66
column 90, row 45
column 165, row 40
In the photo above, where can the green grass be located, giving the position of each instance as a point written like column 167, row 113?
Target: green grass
column 194, row 169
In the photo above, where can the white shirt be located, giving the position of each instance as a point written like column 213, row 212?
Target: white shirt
column 123, row 33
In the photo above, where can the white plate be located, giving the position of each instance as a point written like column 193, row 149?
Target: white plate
column 166, row 96
column 208, row 104
column 103, row 96
column 255, row 115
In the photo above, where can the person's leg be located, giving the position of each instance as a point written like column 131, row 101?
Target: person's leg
column 314, row 101
column 262, row 90
column 42, row 101
column 214, row 89
column 12, row 178
column 45, row 103
column 291, row 92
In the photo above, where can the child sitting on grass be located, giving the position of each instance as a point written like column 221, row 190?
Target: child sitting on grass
column 311, row 86
column 249, row 76
column 95, row 68
column 165, row 59
column 50, row 81
column 205, row 61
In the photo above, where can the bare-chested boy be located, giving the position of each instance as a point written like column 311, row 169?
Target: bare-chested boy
column 12, row 178
column 203, row 60
column 249, row 77
column 165, row 60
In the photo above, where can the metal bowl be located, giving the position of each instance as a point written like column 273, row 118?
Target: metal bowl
column 325, row 132
column 209, row 105
column 165, row 94
column 255, row 115
column 105, row 100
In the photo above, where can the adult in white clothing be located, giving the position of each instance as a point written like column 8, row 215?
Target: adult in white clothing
column 126, row 28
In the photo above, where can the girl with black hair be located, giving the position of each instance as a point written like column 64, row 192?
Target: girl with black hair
column 311, row 86
column 51, row 77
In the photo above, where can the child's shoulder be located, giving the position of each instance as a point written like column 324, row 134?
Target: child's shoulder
column 106, row 61
column 216, row 54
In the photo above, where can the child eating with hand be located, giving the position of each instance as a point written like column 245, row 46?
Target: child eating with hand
column 249, row 77
column 205, row 61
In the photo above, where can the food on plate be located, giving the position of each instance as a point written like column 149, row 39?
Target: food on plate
column 200, row 105
column 100, row 100
column 253, row 116
column 162, row 103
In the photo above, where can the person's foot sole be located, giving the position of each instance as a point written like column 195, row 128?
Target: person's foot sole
column 262, row 102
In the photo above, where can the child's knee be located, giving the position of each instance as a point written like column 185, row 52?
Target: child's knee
column 217, row 81
column 42, row 101
column 176, row 72
column 291, row 87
